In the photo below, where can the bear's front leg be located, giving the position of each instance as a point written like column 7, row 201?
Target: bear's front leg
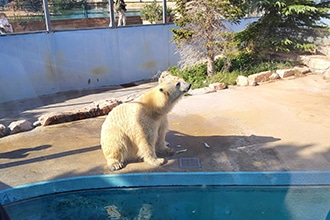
column 148, row 154
column 154, row 160
column 161, row 147
column 114, row 164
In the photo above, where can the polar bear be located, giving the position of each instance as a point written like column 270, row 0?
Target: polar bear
column 137, row 129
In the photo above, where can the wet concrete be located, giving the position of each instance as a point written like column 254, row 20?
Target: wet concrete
column 278, row 126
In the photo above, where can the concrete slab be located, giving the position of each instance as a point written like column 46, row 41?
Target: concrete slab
column 279, row 126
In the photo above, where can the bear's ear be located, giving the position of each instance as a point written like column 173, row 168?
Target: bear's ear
column 163, row 91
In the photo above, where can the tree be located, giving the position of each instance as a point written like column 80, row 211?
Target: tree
column 284, row 26
column 152, row 12
column 202, row 31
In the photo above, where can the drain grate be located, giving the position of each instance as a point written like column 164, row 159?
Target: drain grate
column 190, row 163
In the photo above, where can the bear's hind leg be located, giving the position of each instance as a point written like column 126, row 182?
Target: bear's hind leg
column 115, row 145
column 115, row 159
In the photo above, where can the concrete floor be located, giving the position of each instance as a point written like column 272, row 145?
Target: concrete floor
column 278, row 126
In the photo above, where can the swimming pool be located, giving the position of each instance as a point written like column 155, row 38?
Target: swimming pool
column 233, row 195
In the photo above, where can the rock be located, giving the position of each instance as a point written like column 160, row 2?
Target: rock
column 166, row 75
column 201, row 91
column 55, row 118
column 324, row 50
column 3, row 130
column 326, row 74
column 130, row 97
column 301, row 69
column 95, row 109
column 274, row 76
column 286, row 72
column 252, row 82
column 20, row 126
column 36, row 123
column 218, row 86
column 107, row 105
column 62, row 117
column 242, row 81
column 259, row 77
column 316, row 63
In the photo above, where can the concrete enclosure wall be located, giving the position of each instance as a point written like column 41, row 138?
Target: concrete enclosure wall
column 44, row 63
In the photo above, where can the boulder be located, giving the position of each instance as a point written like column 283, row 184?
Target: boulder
column 218, row 86
column 301, row 69
column 3, row 130
column 166, row 75
column 95, row 109
column 326, row 74
column 286, row 72
column 55, row 118
column 201, row 91
column 274, row 76
column 20, row 126
column 317, row 64
column 107, row 105
column 254, row 79
column 129, row 98
column 324, row 49
column 242, row 81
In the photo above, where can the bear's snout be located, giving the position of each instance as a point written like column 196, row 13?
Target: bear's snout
column 185, row 86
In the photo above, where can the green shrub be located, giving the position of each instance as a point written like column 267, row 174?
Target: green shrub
column 228, row 69
column 226, row 77
column 194, row 75
column 152, row 12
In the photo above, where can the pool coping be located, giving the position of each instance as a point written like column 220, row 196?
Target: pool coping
column 291, row 178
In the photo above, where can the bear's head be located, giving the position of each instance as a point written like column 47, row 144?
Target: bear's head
column 166, row 95
column 161, row 99
column 173, row 89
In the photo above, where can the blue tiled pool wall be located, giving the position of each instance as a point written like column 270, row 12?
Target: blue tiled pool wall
column 236, row 195
column 197, row 202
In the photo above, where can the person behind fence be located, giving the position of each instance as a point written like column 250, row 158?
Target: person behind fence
column 5, row 26
column 120, row 7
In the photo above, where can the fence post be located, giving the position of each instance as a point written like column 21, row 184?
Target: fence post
column 47, row 16
column 112, row 16
column 164, row 11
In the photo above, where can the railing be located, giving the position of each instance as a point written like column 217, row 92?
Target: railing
column 50, row 16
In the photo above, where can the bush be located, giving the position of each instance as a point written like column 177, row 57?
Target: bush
column 152, row 12
column 195, row 75
column 228, row 69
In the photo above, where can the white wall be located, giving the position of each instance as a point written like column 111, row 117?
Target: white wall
column 43, row 63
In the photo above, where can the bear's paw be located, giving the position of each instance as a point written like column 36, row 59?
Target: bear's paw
column 165, row 151
column 155, row 161
column 115, row 165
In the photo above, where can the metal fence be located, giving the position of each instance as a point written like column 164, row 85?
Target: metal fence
column 45, row 15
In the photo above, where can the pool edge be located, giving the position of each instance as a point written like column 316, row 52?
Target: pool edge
column 308, row 178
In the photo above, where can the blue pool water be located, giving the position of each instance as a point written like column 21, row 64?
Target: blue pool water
column 178, row 203
column 165, row 196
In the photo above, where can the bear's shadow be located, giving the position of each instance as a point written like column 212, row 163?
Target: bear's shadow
column 241, row 152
